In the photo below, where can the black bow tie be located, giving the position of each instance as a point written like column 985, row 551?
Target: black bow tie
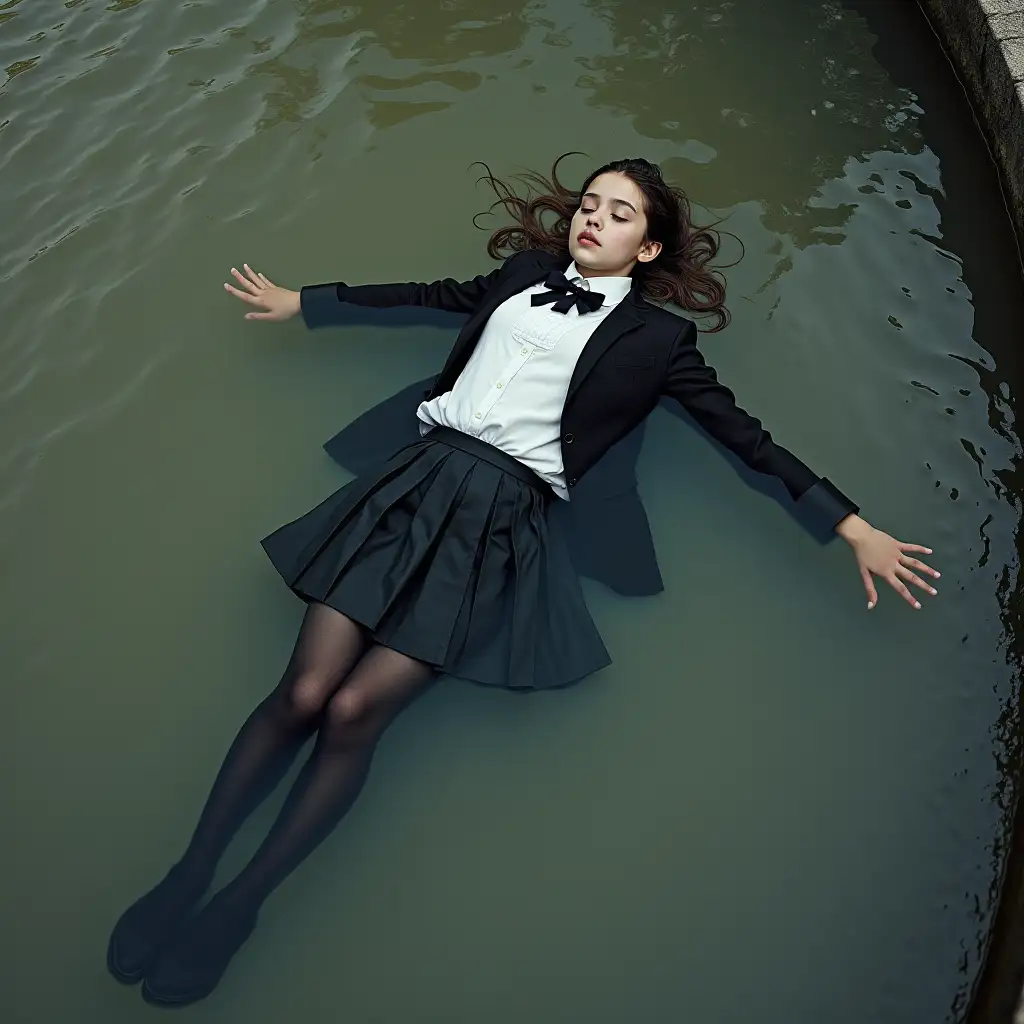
column 566, row 295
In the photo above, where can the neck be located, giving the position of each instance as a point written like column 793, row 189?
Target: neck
column 625, row 271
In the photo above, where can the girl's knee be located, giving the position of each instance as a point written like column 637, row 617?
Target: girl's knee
column 350, row 716
column 307, row 696
column 347, row 707
column 381, row 685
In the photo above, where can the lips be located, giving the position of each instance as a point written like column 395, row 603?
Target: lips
column 586, row 236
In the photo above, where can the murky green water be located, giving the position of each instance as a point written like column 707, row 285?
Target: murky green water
column 774, row 806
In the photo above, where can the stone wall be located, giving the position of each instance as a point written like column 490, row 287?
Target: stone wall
column 985, row 42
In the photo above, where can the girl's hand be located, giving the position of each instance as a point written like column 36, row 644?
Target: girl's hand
column 275, row 303
column 887, row 557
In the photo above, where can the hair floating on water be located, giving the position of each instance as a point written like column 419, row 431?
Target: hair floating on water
column 681, row 272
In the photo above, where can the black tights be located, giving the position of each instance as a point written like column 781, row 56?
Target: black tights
column 338, row 685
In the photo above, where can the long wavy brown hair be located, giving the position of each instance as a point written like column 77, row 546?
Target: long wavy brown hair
column 680, row 273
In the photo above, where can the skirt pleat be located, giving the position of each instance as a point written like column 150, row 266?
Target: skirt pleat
column 446, row 554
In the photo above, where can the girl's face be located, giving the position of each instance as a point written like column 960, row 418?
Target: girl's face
column 612, row 211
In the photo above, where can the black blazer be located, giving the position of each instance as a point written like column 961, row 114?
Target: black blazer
column 636, row 355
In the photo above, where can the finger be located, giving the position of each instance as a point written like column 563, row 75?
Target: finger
column 910, row 577
column 253, row 276
column 914, row 547
column 266, row 280
column 869, row 586
column 900, row 589
column 915, row 564
column 245, row 282
column 244, row 296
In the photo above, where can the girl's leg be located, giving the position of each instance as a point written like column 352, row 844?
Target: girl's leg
column 381, row 685
column 327, row 647
column 377, row 689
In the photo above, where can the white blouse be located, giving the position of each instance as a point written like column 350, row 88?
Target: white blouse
column 512, row 390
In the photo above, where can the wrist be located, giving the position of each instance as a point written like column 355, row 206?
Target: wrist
column 294, row 302
column 853, row 528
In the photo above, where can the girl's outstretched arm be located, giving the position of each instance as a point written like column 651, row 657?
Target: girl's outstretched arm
column 321, row 304
column 695, row 385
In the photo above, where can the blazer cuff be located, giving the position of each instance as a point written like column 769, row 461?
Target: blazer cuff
column 320, row 304
column 822, row 507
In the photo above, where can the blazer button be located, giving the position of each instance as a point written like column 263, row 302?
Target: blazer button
column 567, row 439
column 572, row 482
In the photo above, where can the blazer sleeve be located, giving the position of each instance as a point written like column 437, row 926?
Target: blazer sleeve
column 695, row 385
column 322, row 303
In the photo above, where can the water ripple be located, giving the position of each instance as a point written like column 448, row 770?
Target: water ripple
column 146, row 146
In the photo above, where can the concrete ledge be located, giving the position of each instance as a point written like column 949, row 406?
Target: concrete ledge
column 984, row 39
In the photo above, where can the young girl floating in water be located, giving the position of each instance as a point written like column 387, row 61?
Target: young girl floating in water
column 441, row 560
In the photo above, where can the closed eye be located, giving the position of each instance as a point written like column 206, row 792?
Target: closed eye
column 622, row 220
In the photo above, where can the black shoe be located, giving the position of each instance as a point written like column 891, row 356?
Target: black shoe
column 190, row 966
column 149, row 922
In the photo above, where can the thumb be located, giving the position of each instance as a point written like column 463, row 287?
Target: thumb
column 259, row 316
column 869, row 586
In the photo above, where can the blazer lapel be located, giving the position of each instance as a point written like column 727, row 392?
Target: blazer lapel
column 625, row 317
column 528, row 274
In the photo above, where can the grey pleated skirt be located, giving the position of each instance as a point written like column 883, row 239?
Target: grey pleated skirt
column 445, row 553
